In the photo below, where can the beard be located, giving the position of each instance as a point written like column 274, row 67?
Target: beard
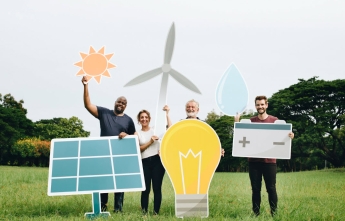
column 191, row 114
column 117, row 111
column 261, row 110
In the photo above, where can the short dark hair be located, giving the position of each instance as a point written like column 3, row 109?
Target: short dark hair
column 121, row 97
column 261, row 97
column 143, row 111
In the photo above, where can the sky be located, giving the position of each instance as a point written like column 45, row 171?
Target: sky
column 272, row 43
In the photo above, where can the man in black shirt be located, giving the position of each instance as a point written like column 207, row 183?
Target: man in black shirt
column 113, row 123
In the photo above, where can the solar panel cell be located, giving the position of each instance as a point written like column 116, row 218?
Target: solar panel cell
column 95, row 166
column 126, row 164
column 128, row 182
column 123, row 146
column 94, row 148
column 102, row 183
column 65, row 168
column 64, row 185
column 65, row 149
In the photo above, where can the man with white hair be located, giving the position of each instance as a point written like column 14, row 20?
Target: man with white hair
column 192, row 110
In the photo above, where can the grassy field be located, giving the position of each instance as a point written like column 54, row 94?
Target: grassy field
column 312, row 195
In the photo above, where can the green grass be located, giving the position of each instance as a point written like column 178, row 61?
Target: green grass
column 312, row 195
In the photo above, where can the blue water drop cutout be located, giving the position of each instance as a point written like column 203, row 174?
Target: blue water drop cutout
column 232, row 92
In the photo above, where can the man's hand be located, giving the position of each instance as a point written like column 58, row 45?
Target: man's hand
column 291, row 135
column 85, row 79
column 166, row 108
column 237, row 117
column 122, row 135
column 222, row 152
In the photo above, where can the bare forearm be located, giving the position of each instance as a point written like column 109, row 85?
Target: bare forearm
column 146, row 145
column 87, row 102
column 168, row 120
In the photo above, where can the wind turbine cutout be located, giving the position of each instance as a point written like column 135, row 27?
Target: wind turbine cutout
column 166, row 69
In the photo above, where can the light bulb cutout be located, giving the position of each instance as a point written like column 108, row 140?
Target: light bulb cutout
column 232, row 92
column 190, row 153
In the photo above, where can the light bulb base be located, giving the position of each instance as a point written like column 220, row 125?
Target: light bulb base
column 195, row 205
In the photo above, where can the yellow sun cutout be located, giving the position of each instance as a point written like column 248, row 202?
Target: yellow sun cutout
column 95, row 64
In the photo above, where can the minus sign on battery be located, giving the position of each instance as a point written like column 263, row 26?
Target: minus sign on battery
column 278, row 143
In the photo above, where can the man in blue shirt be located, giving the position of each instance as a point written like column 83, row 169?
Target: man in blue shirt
column 113, row 123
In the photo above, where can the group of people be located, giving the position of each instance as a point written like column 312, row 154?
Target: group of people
column 117, row 123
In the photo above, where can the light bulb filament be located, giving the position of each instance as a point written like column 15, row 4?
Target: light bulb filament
column 190, row 165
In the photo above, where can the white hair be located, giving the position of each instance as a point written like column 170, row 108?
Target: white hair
column 197, row 103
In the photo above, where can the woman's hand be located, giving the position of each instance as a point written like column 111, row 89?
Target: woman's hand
column 153, row 138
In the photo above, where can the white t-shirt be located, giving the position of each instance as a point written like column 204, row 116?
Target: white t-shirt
column 144, row 137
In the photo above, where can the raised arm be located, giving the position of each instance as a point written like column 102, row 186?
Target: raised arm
column 87, row 103
column 167, row 109
column 237, row 117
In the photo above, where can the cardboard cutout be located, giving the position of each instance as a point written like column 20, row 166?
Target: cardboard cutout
column 190, row 152
column 232, row 92
column 268, row 140
column 95, row 64
column 93, row 166
column 167, row 70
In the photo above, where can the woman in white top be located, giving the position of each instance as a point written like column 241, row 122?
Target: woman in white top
column 152, row 165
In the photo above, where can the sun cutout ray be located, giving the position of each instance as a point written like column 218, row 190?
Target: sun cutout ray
column 95, row 64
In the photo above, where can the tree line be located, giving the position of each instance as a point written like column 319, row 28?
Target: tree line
column 316, row 109
column 24, row 142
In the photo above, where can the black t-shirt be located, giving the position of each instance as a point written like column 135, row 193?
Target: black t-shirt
column 113, row 125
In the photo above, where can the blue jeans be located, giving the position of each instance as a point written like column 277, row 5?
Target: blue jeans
column 257, row 170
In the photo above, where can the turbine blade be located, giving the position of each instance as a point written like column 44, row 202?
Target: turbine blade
column 184, row 81
column 144, row 77
column 169, row 46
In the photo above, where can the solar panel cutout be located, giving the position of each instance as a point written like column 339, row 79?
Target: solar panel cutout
column 88, row 165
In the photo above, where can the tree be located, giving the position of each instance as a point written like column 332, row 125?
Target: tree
column 8, row 101
column 14, row 125
column 224, row 127
column 48, row 129
column 316, row 109
column 212, row 116
column 30, row 151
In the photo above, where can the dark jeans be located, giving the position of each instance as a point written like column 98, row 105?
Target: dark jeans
column 257, row 170
column 153, row 171
column 118, row 201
